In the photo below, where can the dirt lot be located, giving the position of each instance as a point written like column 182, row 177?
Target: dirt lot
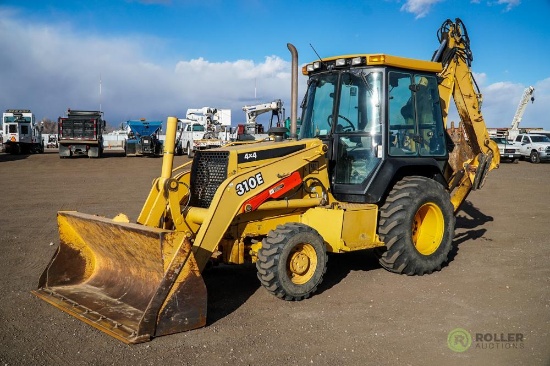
column 497, row 283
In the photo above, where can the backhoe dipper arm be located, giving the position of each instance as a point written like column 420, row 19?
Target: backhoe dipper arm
column 475, row 154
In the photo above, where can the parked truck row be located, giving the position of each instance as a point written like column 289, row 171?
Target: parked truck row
column 81, row 132
column 534, row 147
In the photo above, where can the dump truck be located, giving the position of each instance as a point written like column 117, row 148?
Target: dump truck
column 143, row 138
column 373, row 167
column 81, row 133
column 21, row 132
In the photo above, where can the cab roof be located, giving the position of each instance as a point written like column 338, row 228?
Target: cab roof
column 378, row 59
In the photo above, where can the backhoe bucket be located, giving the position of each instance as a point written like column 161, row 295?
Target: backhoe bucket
column 130, row 281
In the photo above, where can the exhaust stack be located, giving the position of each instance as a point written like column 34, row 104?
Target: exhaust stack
column 293, row 92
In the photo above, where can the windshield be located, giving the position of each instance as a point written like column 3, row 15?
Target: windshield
column 318, row 106
column 17, row 119
column 540, row 139
column 347, row 105
column 199, row 128
column 499, row 140
column 358, row 109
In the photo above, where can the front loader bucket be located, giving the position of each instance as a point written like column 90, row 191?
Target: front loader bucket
column 130, row 281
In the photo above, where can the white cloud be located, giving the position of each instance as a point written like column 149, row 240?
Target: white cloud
column 509, row 3
column 501, row 100
column 49, row 69
column 481, row 78
column 420, row 8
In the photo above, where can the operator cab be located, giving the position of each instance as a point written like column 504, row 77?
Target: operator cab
column 376, row 120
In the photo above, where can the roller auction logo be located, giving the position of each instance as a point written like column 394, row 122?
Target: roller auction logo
column 460, row 340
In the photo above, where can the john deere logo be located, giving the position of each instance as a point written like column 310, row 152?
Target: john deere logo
column 459, row 340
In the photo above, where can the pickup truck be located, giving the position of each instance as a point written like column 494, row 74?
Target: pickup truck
column 534, row 147
column 508, row 150
column 194, row 136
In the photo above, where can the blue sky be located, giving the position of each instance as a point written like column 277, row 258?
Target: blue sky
column 157, row 58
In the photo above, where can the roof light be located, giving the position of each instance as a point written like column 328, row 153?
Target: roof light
column 377, row 58
column 357, row 61
column 309, row 68
column 340, row 62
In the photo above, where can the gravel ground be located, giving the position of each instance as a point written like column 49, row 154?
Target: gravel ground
column 497, row 283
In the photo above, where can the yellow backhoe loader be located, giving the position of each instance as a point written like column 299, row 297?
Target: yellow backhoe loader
column 373, row 167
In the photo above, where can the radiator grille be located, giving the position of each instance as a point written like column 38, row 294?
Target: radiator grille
column 208, row 171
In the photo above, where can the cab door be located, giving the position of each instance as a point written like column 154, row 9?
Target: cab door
column 415, row 120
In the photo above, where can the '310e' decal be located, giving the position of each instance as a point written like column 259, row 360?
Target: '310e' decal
column 249, row 184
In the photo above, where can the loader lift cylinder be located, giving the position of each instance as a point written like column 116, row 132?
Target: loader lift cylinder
column 169, row 147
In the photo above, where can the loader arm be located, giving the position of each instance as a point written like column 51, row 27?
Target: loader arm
column 475, row 154
column 207, row 226
column 228, row 202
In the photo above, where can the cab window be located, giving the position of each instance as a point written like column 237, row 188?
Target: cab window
column 358, row 126
column 415, row 120
column 317, row 117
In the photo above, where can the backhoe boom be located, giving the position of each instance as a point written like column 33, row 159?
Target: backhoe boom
column 475, row 154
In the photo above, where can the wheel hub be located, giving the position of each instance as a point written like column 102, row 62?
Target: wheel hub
column 428, row 228
column 299, row 263
column 302, row 263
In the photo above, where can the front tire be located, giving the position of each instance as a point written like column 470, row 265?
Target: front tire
column 534, row 157
column 292, row 261
column 417, row 225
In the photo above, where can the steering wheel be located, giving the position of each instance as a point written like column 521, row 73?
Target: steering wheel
column 349, row 128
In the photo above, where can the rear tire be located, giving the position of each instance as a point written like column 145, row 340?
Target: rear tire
column 534, row 157
column 292, row 261
column 417, row 225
